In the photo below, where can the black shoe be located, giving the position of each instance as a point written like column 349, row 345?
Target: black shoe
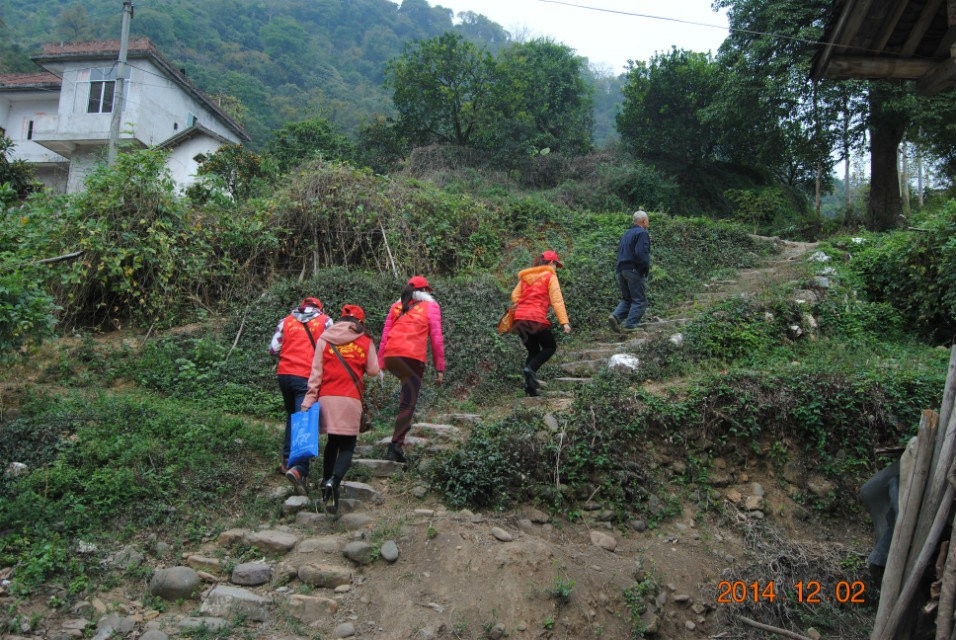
column 614, row 323
column 530, row 379
column 395, row 453
column 531, row 393
column 330, row 494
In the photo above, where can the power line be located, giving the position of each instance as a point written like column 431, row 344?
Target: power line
column 728, row 28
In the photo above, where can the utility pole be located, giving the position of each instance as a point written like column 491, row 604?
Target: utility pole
column 119, row 94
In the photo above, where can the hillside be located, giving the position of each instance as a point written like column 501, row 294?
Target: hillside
column 271, row 63
column 279, row 567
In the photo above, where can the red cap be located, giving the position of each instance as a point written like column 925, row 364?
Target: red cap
column 354, row 311
column 312, row 302
column 551, row 256
column 419, row 282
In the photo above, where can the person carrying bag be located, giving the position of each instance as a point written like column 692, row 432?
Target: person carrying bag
column 343, row 354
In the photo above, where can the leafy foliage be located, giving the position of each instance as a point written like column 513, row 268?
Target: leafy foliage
column 124, row 462
column 914, row 271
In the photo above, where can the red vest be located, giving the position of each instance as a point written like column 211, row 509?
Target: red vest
column 335, row 379
column 534, row 300
column 408, row 337
column 295, row 356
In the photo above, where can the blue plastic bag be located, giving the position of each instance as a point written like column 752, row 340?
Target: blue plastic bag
column 305, row 435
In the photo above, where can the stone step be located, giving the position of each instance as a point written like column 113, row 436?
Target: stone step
column 584, row 367
column 573, row 380
column 444, row 432
column 378, row 468
column 460, row 419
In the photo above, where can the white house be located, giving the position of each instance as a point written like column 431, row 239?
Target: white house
column 59, row 120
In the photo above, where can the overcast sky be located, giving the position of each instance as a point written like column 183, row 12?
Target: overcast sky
column 602, row 30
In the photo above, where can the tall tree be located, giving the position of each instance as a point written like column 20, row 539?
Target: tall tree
column 663, row 114
column 74, row 24
column 543, row 99
column 442, row 90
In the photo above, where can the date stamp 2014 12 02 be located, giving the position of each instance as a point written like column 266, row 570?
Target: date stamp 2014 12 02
column 801, row 592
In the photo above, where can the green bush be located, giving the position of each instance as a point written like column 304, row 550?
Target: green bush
column 123, row 462
column 913, row 270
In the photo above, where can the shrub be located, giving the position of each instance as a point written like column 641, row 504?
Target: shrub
column 914, row 271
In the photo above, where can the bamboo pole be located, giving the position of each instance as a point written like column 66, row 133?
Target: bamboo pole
column 947, row 594
column 894, row 573
column 942, row 459
column 913, row 579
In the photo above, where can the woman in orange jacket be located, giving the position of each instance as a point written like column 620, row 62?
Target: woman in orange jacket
column 537, row 291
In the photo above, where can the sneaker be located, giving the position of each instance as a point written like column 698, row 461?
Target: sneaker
column 613, row 322
column 531, row 393
column 298, row 481
column 530, row 379
column 395, row 453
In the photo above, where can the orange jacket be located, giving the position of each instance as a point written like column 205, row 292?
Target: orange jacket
column 538, row 290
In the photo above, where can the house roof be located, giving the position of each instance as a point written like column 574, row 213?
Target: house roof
column 29, row 81
column 137, row 48
column 890, row 40
column 188, row 134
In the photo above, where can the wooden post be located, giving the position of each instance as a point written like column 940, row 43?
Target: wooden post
column 894, row 573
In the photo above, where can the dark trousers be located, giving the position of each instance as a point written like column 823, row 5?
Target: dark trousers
column 410, row 372
column 337, row 458
column 539, row 340
column 633, row 302
column 293, row 390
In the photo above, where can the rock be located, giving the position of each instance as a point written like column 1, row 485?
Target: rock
column 309, row 609
column 359, row 552
column 354, row 521
column 211, row 624
column 677, row 340
column 324, row 575
column 344, row 630
column 325, row 544
column 231, row 536
column 225, row 601
column 623, row 362
column 638, row 525
column 501, row 535
column 202, row 563
column 175, row 583
column 154, row 634
column 251, row 574
column 16, row 469
column 389, row 551
column 310, row 518
column 272, row 540
column 295, row 504
column 603, row 540
column 754, row 503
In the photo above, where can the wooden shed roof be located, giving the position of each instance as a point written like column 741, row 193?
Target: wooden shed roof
column 890, row 40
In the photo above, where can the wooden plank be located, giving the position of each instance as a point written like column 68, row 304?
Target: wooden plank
column 846, row 67
column 940, row 78
column 889, row 26
column 922, row 25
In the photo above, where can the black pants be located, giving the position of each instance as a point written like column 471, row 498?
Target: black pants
column 410, row 372
column 293, row 390
column 539, row 340
column 337, row 458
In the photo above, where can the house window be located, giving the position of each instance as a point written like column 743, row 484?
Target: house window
column 30, row 130
column 191, row 120
column 102, row 82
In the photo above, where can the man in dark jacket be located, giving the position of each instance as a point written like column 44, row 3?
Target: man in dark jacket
column 633, row 264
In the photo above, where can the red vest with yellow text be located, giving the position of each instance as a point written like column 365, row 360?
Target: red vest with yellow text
column 295, row 357
column 335, row 379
